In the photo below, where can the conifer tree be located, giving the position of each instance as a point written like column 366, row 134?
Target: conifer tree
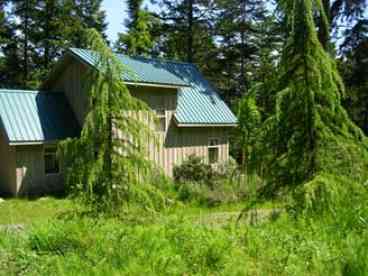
column 138, row 40
column 104, row 163
column 310, row 134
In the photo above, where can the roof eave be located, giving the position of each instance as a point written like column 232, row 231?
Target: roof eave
column 206, row 125
column 33, row 143
column 159, row 85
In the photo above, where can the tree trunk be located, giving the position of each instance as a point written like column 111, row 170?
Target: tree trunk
column 243, row 81
column 49, row 13
column 25, row 44
column 190, row 31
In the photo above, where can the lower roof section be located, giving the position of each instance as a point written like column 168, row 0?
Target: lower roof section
column 36, row 117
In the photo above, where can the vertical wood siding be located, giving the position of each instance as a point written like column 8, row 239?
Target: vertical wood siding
column 176, row 144
column 30, row 172
column 7, row 167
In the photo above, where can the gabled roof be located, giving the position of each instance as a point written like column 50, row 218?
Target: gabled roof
column 139, row 69
column 198, row 102
column 30, row 117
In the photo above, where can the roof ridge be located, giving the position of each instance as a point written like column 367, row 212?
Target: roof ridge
column 143, row 57
column 157, row 59
column 5, row 90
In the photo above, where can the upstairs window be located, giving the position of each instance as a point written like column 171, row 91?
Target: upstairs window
column 51, row 161
column 161, row 125
column 213, row 150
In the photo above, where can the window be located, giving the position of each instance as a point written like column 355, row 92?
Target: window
column 51, row 161
column 213, row 150
column 161, row 115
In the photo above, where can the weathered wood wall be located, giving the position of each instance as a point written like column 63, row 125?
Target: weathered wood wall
column 176, row 143
column 30, row 172
column 7, row 167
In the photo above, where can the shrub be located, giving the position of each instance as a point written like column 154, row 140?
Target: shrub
column 194, row 170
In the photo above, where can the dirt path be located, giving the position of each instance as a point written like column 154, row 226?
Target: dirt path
column 219, row 219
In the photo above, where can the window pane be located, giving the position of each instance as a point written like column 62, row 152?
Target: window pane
column 213, row 142
column 161, row 114
column 161, row 125
column 213, row 155
column 51, row 162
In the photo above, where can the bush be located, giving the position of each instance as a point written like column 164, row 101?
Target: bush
column 223, row 191
column 194, row 170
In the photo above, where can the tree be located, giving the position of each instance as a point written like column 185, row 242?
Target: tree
column 81, row 15
column 249, row 121
column 346, row 15
column 103, row 163
column 40, row 31
column 138, row 40
column 186, row 29
column 237, row 28
column 354, row 68
column 310, row 134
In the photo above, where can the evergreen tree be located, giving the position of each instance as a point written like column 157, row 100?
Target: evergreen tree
column 25, row 26
column 103, row 163
column 138, row 40
column 354, row 68
column 10, row 65
column 310, row 135
column 186, row 31
column 81, row 15
column 40, row 30
column 237, row 28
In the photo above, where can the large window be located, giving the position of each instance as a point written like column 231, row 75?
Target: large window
column 161, row 115
column 51, row 161
column 213, row 150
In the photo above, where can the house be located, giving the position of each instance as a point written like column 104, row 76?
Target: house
column 193, row 118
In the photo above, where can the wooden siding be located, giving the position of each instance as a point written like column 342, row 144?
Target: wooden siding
column 176, row 144
column 7, row 167
column 72, row 83
column 30, row 172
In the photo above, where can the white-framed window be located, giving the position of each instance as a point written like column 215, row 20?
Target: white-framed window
column 213, row 150
column 162, row 124
column 51, row 160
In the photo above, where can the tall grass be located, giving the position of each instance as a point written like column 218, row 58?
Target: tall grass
column 173, row 245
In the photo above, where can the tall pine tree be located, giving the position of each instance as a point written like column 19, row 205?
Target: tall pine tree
column 238, row 30
column 41, row 30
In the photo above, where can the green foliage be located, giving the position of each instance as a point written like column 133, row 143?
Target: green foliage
column 223, row 191
column 249, row 120
column 104, row 165
column 138, row 40
column 310, row 133
column 354, row 69
column 194, row 169
column 36, row 32
column 172, row 245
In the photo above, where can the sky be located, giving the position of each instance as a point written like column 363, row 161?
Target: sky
column 115, row 16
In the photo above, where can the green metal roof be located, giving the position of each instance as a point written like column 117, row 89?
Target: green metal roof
column 141, row 70
column 198, row 102
column 33, row 116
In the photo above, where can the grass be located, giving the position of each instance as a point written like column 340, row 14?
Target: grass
column 184, row 240
column 24, row 211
